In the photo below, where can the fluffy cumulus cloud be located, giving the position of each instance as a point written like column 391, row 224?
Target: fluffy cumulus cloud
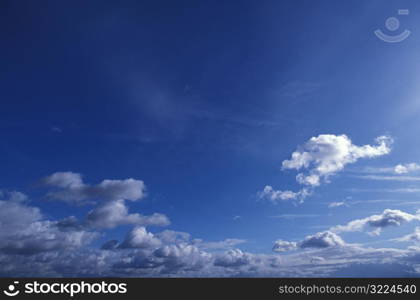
column 389, row 217
column 275, row 196
column 284, row 246
column 323, row 239
column 406, row 168
column 115, row 213
column 69, row 187
column 320, row 158
column 233, row 258
column 326, row 154
column 138, row 237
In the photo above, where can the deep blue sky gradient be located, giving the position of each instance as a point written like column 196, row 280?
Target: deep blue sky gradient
column 203, row 100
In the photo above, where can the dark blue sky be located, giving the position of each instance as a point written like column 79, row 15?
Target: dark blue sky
column 203, row 101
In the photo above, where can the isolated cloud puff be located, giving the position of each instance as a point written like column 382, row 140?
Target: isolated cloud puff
column 115, row 213
column 406, row 168
column 326, row 154
column 284, row 246
column 320, row 158
column 275, row 196
column 389, row 217
column 323, row 239
column 69, row 187
column 337, row 204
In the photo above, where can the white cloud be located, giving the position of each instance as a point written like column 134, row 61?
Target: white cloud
column 326, row 154
column 232, row 258
column 389, row 217
column 23, row 230
column 320, row 158
column 138, row 237
column 274, row 196
column 336, row 204
column 322, row 240
column 406, row 168
column 115, row 213
column 412, row 237
column 69, row 187
column 284, row 246
column 389, row 178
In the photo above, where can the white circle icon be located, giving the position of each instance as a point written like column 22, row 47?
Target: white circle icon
column 392, row 24
column 11, row 289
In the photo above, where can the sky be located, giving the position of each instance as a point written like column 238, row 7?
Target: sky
column 210, row 138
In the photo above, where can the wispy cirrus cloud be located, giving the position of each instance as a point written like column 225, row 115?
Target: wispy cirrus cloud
column 388, row 178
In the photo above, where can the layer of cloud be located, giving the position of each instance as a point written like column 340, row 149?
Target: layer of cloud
column 51, row 251
column 24, row 230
